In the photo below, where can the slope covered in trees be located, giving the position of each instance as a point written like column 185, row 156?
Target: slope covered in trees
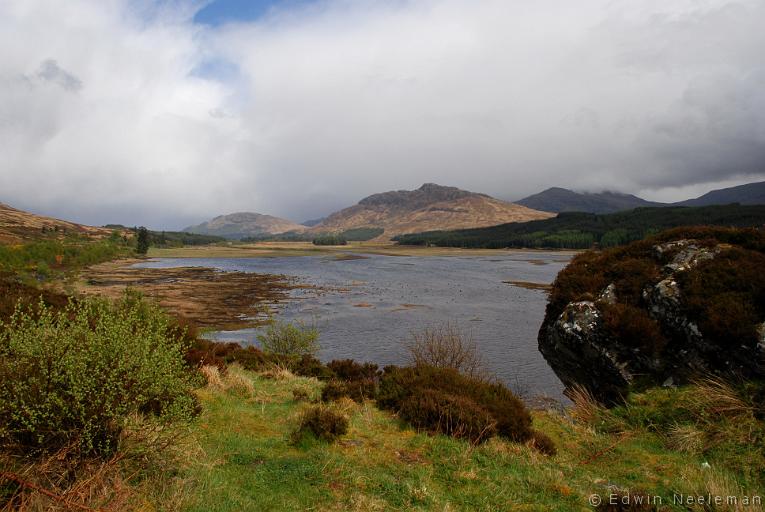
column 578, row 230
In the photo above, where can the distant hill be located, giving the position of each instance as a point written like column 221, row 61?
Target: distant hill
column 558, row 199
column 313, row 222
column 245, row 224
column 578, row 230
column 563, row 200
column 18, row 226
column 429, row 207
column 751, row 193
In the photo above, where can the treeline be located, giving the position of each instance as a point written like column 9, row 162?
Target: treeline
column 576, row 230
column 172, row 238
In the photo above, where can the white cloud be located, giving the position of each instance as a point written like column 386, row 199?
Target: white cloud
column 135, row 121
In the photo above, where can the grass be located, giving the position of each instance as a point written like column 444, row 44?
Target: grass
column 246, row 461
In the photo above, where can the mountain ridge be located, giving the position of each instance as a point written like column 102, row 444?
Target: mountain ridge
column 557, row 199
column 430, row 206
column 243, row 224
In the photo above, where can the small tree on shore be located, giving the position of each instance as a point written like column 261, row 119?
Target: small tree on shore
column 142, row 241
column 288, row 339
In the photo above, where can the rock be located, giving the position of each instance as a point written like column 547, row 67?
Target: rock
column 577, row 352
column 582, row 352
column 608, row 295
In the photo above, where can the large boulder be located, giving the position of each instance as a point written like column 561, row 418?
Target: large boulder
column 686, row 304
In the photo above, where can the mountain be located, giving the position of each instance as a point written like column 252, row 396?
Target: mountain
column 18, row 226
column 244, row 224
column 558, row 199
column 751, row 193
column 429, row 207
column 563, row 200
column 313, row 222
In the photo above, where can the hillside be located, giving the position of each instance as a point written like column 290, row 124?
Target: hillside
column 18, row 226
column 558, row 199
column 563, row 200
column 751, row 193
column 576, row 230
column 429, row 207
column 244, row 224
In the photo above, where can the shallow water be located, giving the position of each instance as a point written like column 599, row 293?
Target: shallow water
column 375, row 302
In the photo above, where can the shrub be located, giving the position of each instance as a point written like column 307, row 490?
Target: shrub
column 350, row 370
column 309, row 366
column 286, row 339
column 445, row 347
column 76, row 377
column 333, row 390
column 453, row 415
column 300, row 395
column 356, row 390
column 351, row 379
column 633, row 327
column 398, row 385
column 323, row 422
column 543, row 443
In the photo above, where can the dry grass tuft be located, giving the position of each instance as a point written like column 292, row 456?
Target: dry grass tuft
column 239, row 384
column 586, row 408
column 212, row 376
column 710, row 482
column 686, row 438
column 278, row 372
column 721, row 399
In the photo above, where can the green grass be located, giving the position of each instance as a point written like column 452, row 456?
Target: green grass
column 246, row 461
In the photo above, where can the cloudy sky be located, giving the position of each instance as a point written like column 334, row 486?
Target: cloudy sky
column 166, row 113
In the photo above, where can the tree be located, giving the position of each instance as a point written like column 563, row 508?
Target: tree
column 142, row 241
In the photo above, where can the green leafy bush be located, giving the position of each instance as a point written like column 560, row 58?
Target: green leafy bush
column 286, row 339
column 75, row 378
column 323, row 422
column 446, row 389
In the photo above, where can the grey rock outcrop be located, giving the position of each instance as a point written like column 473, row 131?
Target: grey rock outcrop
column 582, row 352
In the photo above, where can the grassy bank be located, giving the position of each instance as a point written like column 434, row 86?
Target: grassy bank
column 241, row 458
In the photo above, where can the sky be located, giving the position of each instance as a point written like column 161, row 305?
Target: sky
column 167, row 113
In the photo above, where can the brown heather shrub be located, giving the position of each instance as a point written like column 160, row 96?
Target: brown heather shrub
column 451, row 415
column 350, row 370
column 323, row 422
column 356, row 390
column 14, row 292
column 398, row 385
column 543, row 443
column 633, row 327
column 726, row 295
column 630, row 268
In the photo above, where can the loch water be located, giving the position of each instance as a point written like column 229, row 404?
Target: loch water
column 367, row 306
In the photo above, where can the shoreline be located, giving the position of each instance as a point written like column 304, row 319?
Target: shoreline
column 297, row 249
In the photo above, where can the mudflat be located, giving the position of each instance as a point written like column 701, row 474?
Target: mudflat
column 208, row 297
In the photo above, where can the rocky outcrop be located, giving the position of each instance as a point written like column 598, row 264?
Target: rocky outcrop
column 584, row 348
